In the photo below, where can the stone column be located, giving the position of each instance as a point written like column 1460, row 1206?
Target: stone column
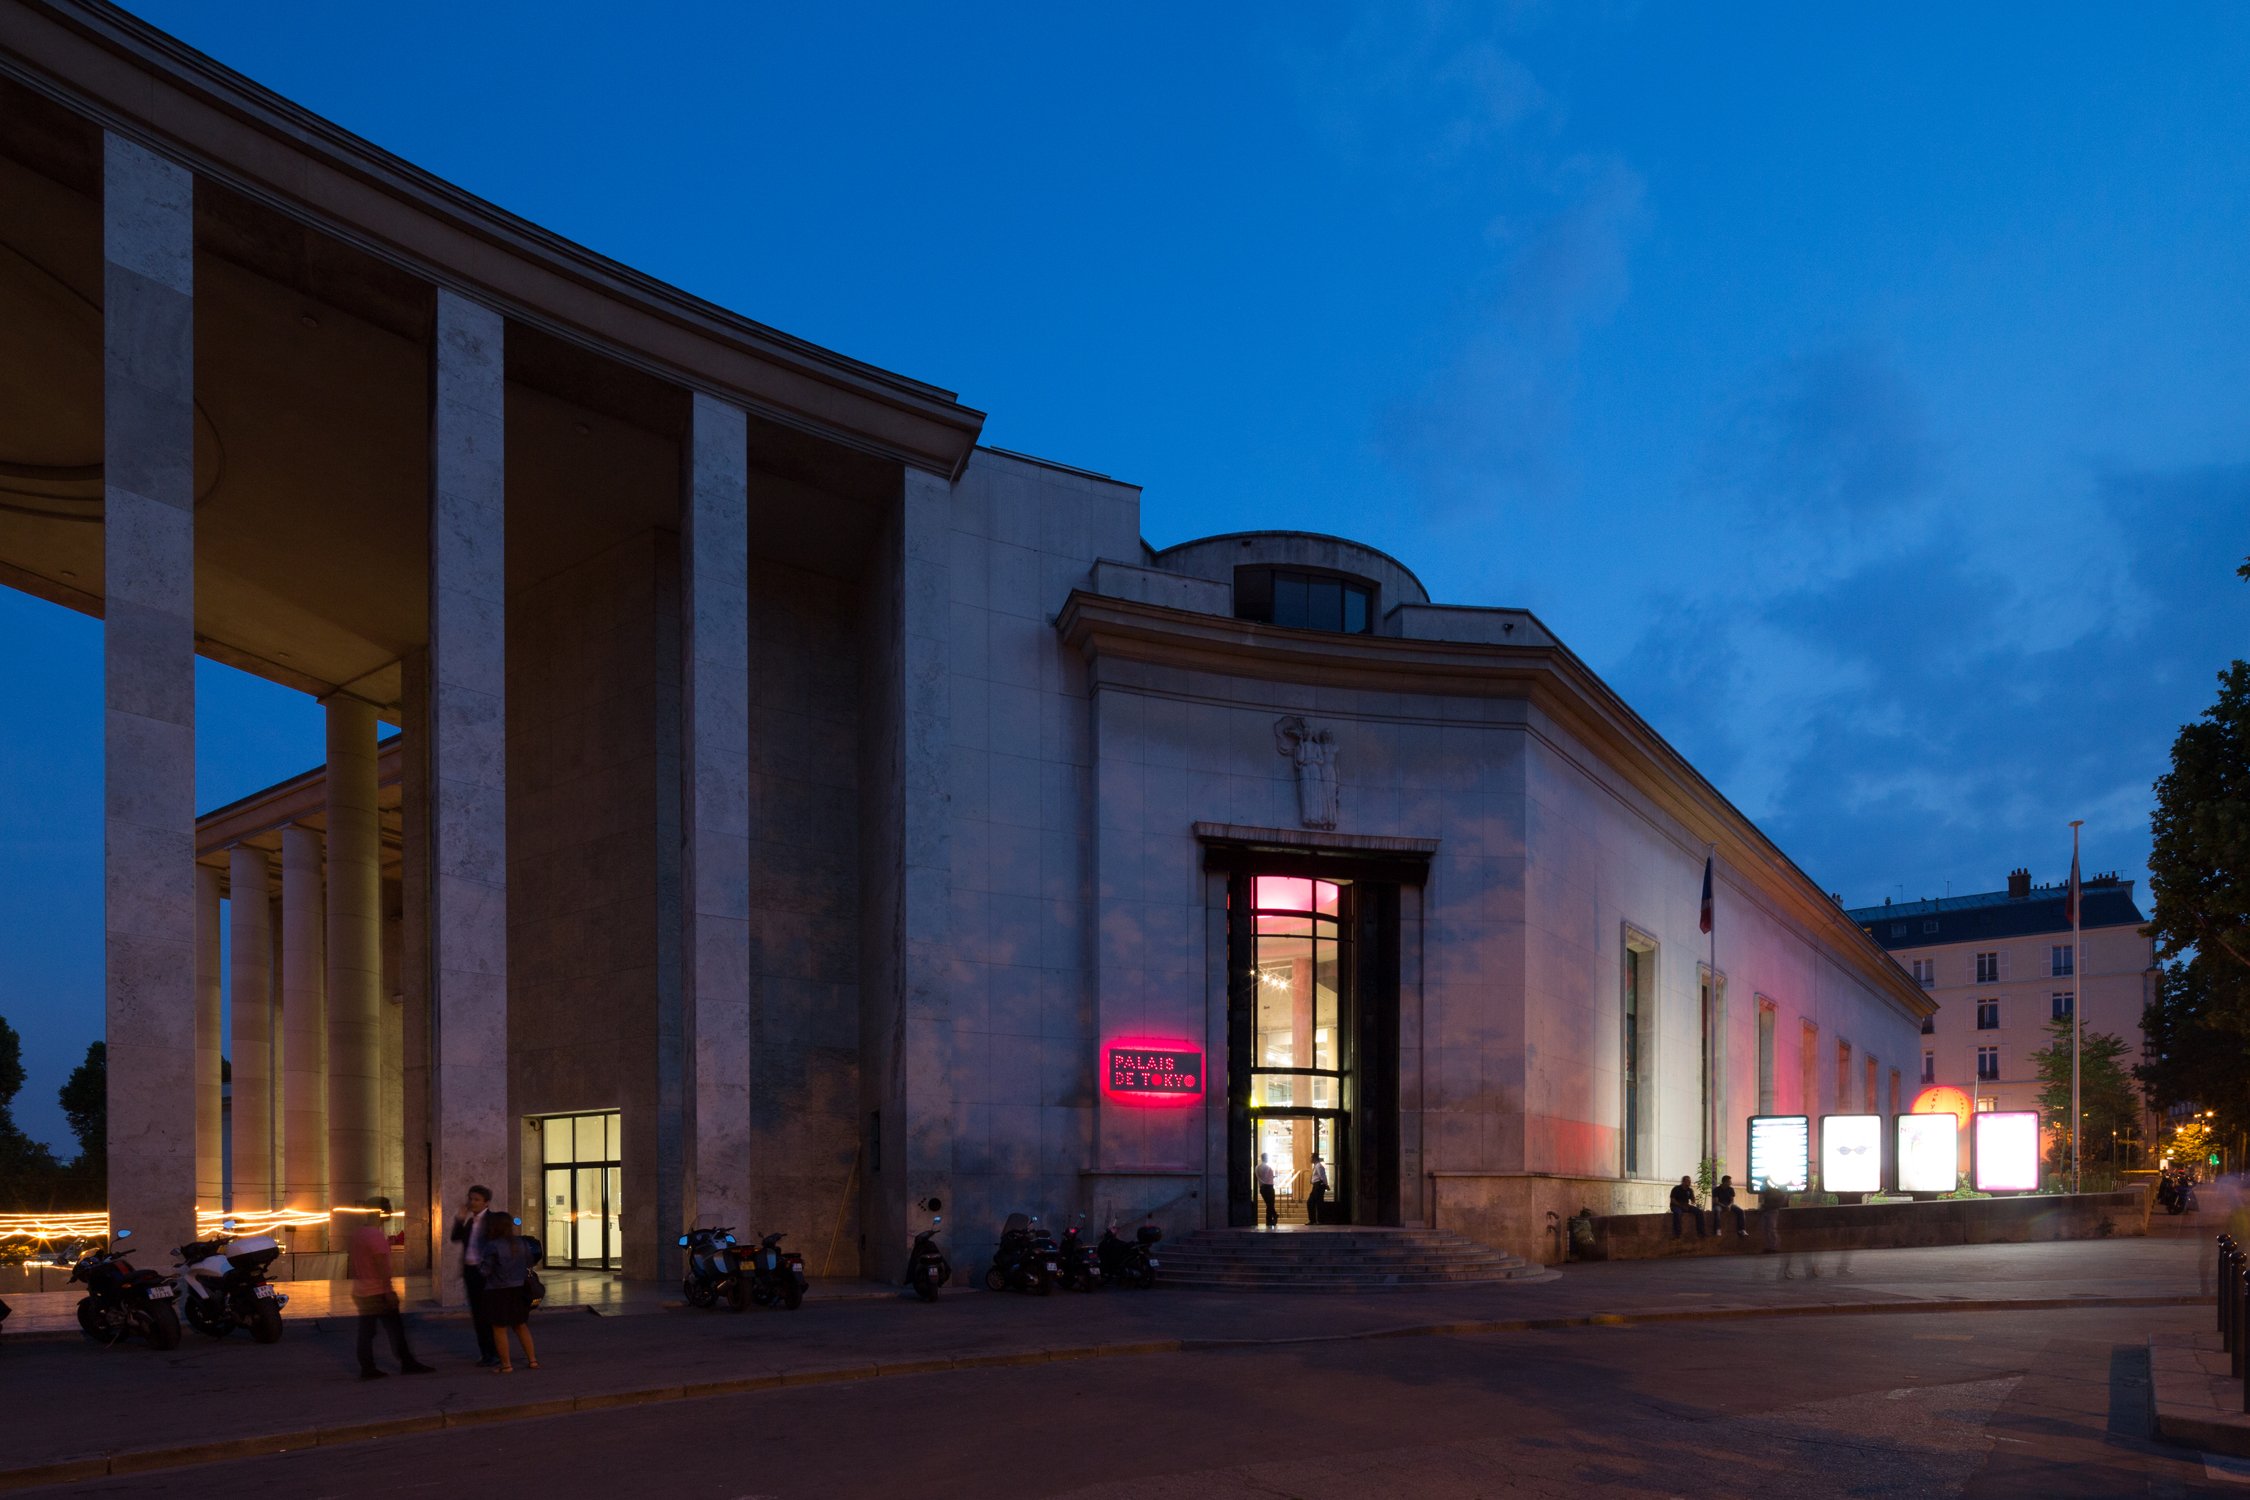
column 304, row 1026
column 148, row 688
column 715, row 947
column 250, row 997
column 210, row 1165
column 468, row 891
column 355, row 961
column 389, row 1113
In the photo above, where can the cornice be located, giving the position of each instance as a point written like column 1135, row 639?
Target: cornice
column 1550, row 678
column 125, row 75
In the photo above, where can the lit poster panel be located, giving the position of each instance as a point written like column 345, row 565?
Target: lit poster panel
column 1929, row 1153
column 1780, row 1151
column 2007, row 1151
column 1851, row 1153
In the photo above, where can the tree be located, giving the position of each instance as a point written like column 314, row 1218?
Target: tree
column 2105, row 1089
column 2190, row 1145
column 27, row 1167
column 85, row 1102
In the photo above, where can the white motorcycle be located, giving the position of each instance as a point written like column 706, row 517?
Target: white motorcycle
column 223, row 1286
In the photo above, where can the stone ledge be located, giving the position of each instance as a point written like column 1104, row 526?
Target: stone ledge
column 2194, row 1398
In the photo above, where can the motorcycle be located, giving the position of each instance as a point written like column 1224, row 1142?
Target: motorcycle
column 121, row 1299
column 1130, row 1263
column 1081, row 1267
column 927, row 1269
column 714, row 1269
column 2177, row 1194
column 1026, row 1260
column 225, row 1286
column 777, row 1275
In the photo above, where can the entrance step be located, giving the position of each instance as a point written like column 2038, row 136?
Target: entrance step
column 1340, row 1258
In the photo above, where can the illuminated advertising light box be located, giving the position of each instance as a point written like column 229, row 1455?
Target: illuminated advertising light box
column 1851, row 1153
column 1152, row 1073
column 1929, row 1153
column 1780, row 1151
column 2007, row 1151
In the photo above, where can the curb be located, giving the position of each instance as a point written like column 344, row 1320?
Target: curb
column 188, row 1455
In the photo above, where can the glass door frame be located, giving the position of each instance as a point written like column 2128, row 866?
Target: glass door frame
column 1337, row 1159
column 607, row 1176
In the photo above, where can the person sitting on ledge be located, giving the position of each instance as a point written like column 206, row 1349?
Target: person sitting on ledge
column 1683, row 1202
column 1722, row 1204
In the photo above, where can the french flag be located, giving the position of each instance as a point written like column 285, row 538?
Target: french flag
column 1705, row 924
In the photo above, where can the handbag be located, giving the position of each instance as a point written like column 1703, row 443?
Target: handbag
column 534, row 1290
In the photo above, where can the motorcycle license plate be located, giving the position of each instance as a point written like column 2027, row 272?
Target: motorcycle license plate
column 1153, row 1264
column 265, row 1291
column 159, row 1294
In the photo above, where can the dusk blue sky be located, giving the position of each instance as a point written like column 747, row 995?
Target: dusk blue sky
column 1863, row 395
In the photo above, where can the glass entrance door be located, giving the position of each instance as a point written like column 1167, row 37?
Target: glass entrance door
column 579, row 1189
column 1307, row 1150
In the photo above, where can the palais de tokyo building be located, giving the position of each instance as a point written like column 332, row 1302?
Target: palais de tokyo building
column 795, row 810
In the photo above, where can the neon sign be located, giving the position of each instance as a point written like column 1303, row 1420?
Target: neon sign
column 1152, row 1073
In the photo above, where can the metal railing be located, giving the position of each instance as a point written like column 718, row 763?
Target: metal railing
column 2234, row 1311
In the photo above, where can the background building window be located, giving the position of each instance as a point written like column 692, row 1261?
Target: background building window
column 1894, row 1091
column 1988, row 1063
column 1988, row 1015
column 1635, row 1048
column 1304, row 601
column 1929, row 926
column 1988, row 968
column 1872, row 1074
column 1929, row 1067
column 1925, row 971
column 1843, row 1075
column 2062, row 1000
column 2061, row 960
column 1929, row 1025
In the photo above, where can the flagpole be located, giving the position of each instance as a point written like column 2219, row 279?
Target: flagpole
column 1718, row 1042
column 2077, row 993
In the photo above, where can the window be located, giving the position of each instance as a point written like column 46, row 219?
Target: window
column 1304, row 601
column 2061, row 960
column 1808, row 1063
column 1637, row 1062
column 1929, row 1025
column 1714, row 998
column 1988, row 968
column 1298, row 1031
column 1988, row 1064
column 2062, row 1001
column 1929, row 1067
column 1843, row 1075
column 1986, row 1101
column 580, row 1174
column 1898, row 929
column 1894, row 1091
column 1929, row 926
column 1988, row 1015
column 1766, row 1020
column 1925, row 971
column 1869, row 1095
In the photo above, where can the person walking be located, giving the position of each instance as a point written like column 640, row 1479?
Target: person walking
column 1683, row 1202
column 1317, row 1199
column 468, row 1233
column 368, row 1253
column 1265, row 1190
column 507, row 1301
column 1771, row 1201
column 1722, row 1204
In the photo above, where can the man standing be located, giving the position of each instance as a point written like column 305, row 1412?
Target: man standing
column 1683, row 1202
column 468, row 1233
column 1265, row 1190
column 369, row 1253
column 1317, row 1199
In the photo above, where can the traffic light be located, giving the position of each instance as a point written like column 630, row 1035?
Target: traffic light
column 2214, row 1158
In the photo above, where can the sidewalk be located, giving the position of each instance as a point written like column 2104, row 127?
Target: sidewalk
column 209, row 1401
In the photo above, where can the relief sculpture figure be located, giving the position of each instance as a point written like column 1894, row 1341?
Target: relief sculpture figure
column 1313, row 753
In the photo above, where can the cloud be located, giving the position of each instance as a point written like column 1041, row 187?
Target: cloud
column 1835, row 434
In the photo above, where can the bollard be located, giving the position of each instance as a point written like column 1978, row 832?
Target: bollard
column 2242, row 1310
column 2226, row 1291
column 2235, row 1318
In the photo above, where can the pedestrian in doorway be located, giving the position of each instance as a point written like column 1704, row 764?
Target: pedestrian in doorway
column 368, row 1253
column 1265, row 1191
column 1722, row 1204
column 507, row 1301
column 1771, row 1201
column 1317, row 1199
column 468, row 1233
column 1683, row 1202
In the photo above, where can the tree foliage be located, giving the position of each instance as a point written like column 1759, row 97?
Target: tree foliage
column 2199, row 881
column 85, row 1103
column 2105, row 1088
column 27, row 1167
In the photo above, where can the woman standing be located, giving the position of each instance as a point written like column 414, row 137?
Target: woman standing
column 507, row 1306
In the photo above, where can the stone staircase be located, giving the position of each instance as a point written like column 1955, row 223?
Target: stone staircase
column 1334, row 1258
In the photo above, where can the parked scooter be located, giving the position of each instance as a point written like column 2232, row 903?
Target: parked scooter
column 1081, row 1267
column 2175, row 1191
column 122, row 1300
column 1026, row 1260
column 715, row 1271
column 1130, row 1263
column 223, row 1285
column 927, row 1269
column 776, row 1276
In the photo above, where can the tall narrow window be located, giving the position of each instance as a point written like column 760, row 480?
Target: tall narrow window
column 2061, row 960
column 1765, row 1056
column 1708, row 1009
column 1843, row 1076
column 1988, row 1015
column 1929, row 1067
column 1872, row 1074
column 1894, row 1091
column 1988, row 1063
column 2061, row 1001
column 1925, row 971
column 1636, row 1056
column 1808, row 1071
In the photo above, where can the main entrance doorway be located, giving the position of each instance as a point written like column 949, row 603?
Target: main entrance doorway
column 1300, row 1044
column 579, row 1178
column 1304, row 1147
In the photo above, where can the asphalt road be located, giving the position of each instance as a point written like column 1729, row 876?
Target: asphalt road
column 2039, row 1404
